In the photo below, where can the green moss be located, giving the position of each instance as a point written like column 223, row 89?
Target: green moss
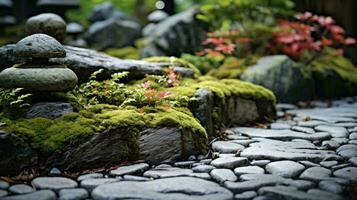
column 121, row 118
column 124, row 53
column 174, row 61
column 48, row 135
column 334, row 75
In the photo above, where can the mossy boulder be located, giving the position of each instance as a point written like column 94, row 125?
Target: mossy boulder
column 289, row 81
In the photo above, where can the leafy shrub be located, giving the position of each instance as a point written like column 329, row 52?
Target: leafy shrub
column 13, row 99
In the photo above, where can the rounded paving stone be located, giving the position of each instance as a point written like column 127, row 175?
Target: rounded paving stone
column 222, row 175
column 315, row 173
column 331, row 186
column 20, row 189
column 353, row 136
column 328, row 164
column 4, row 185
column 286, row 168
column 3, row 193
column 38, row 195
column 39, row 46
column 246, row 195
column 353, row 161
column 203, row 168
column 349, row 173
column 135, row 178
column 248, row 170
column 90, row 184
column 130, row 169
column 53, row 183
column 229, row 162
column 336, row 132
column 260, row 163
column 89, row 176
column 349, row 153
column 226, row 147
column 73, row 194
column 177, row 188
column 47, row 23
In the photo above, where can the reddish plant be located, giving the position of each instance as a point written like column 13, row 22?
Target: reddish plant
column 309, row 33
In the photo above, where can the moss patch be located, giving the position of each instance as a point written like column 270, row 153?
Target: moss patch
column 124, row 53
column 174, row 61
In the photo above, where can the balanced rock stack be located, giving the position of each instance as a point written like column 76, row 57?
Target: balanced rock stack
column 37, row 74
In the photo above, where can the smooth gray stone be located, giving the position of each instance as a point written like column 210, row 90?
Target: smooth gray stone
column 347, row 154
column 328, row 164
column 130, row 169
column 4, row 185
column 229, row 162
column 280, row 114
column 55, row 171
column 89, row 176
column 167, row 172
column 331, row 186
column 246, row 195
column 50, row 110
column 39, row 46
column 279, row 150
column 206, row 161
column 20, row 189
column 316, row 173
column 279, row 126
column 73, row 194
column 186, row 164
column 352, row 142
column 237, row 137
column 226, row 147
column 353, row 136
column 74, row 28
column 135, row 178
column 311, row 123
column 222, row 175
column 347, row 147
column 340, row 140
column 53, row 183
column 303, row 129
column 338, row 132
column 248, row 170
column 260, row 163
column 349, row 173
column 286, row 169
column 340, row 166
column 330, row 144
column 169, row 188
column 346, row 124
column 157, row 16
column 90, row 184
column 203, row 168
column 38, row 195
column 353, row 161
column 47, row 23
column 238, row 187
column 280, row 134
column 226, row 155
column 243, row 142
column 324, row 194
column 283, row 192
column 205, row 176
column 309, row 164
column 3, row 193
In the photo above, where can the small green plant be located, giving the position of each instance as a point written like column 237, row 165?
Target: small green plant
column 13, row 99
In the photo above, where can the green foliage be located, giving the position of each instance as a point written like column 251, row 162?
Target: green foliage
column 13, row 99
column 95, row 92
column 203, row 63
column 228, row 14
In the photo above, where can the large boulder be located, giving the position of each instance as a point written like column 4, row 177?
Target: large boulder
column 177, row 34
column 85, row 61
column 113, row 33
column 51, row 110
column 15, row 154
column 105, row 11
column 289, row 81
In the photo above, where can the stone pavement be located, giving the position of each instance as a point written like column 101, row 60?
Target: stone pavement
column 306, row 154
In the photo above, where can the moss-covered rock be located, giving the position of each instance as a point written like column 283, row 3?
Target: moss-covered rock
column 124, row 53
column 173, row 61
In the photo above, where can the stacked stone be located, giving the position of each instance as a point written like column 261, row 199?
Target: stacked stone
column 37, row 74
column 47, row 23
